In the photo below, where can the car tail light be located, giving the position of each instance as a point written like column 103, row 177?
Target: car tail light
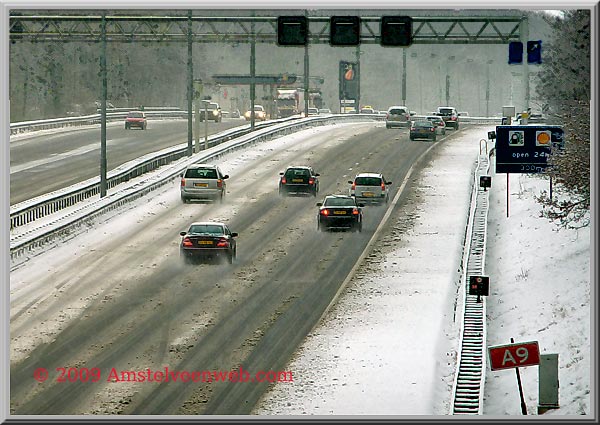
column 187, row 242
column 412, row 129
column 355, row 211
column 182, row 182
column 387, row 116
column 407, row 116
column 432, row 129
column 382, row 186
column 283, row 180
column 222, row 243
column 354, row 186
column 311, row 181
column 325, row 212
column 219, row 183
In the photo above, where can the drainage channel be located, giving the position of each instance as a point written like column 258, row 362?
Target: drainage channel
column 470, row 374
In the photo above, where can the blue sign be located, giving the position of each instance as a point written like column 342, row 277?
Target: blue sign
column 526, row 148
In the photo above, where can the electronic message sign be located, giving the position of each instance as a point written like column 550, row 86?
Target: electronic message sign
column 526, row 148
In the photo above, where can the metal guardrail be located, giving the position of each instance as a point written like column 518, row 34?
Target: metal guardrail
column 469, row 379
column 116, row 114
column 32, row 209
column 36, row 237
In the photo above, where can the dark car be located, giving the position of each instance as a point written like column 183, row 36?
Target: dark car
column 423, row 130
column 449, row 115
column 213, row 111
column 208, row 240
column 136, row 119
column 299, row 179
column 339, row 212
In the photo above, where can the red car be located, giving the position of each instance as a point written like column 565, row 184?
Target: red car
column 135, row 119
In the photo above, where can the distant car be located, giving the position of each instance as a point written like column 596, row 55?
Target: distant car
column 235, row 113
column 440, row 125
column 423, row 130
column 313, row 111
column 136, row 119
column 397, row 116
column 536, row 118
column 370, row 187
column 463, row 114
column 339, row 212
column 299, row 179
column 449, row 115
column 203, row 181
column 324, row 111
column 367, row 111
column 213, row 111
column 208, row 239
column 259, row 113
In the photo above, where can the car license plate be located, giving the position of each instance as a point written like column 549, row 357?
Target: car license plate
column 297, row 180
column 341, row 212
column 368, row 194
column 205, row 242
column 201, row 184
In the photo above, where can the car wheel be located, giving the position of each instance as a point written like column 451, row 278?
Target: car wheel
column 360, row 226
column 387, row 126
column 319, row 228
column 220, row 197
column 184, row 200
column 230, row 257
column 412, row 138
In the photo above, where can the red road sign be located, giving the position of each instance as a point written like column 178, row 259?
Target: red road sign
column 514, row 355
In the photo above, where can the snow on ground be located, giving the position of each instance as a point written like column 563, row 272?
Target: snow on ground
column 388, row 347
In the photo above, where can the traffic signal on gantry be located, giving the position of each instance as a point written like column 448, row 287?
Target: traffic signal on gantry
column 344, row 31
column 292, row 30
column 396, row 31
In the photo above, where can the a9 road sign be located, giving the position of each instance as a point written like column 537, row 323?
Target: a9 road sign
column 514, row 355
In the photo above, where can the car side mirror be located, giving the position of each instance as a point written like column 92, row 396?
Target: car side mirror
column 181, row 175
column 281, row 174
column 182, row 233
column 317, row 175
column 361, row 205
column 234, row 234
column 350, row 182
column 319, row 204
column 226, row 176
column 388, row 182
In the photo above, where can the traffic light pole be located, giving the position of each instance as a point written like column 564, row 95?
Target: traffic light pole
column 306, row 75
column 357, row 79
column 190, row 85
column 524, row 38
column 252, row 75
column 404, row 76
column 103, row 72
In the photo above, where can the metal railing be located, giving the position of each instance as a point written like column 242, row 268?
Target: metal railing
column 22, row 242
column 468, row 388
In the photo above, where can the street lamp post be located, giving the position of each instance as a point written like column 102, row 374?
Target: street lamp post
column 450, row 58
column 487, row 89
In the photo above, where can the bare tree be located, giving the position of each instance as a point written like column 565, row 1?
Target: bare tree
column 564, row 81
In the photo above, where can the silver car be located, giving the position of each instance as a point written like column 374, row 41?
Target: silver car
column 203, row 181
column 397, row 116
column 370, row 188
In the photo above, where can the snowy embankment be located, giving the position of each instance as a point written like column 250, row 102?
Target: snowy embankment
column 388, row 347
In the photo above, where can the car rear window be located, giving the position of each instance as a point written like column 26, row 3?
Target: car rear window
column 135, row 115
column 339, row 202
column 368, row 181
column 201, row 173
column 211, row 229
column 297, row 172
column 397, row 111
column 423, row 124
column 445, row 111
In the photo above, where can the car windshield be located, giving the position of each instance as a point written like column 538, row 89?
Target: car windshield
column 368, row 181
column 209, row 229
column 339, row 202
column 135, row 115
column 201, row 173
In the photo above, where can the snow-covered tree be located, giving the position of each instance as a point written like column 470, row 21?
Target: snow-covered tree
column 564, row 83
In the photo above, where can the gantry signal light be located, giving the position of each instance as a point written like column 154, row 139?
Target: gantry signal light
column 344, row 31
column 292, row 30
column 396, row 31
column 534, row 52
column 515, row 52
